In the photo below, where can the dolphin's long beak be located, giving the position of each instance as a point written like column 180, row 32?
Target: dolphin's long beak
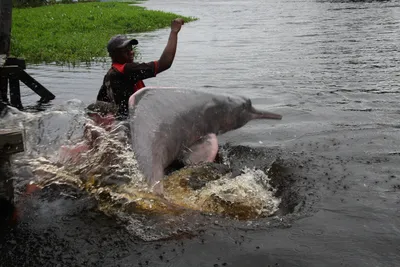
column 257, row 114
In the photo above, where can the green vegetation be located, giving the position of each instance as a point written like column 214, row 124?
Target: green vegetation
column 78, row 33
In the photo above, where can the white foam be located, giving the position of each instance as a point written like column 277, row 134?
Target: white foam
column 251, row 188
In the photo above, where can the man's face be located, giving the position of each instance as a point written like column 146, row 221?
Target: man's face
column 126, row 55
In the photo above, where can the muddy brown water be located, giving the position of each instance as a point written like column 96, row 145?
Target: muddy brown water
column 331, row 68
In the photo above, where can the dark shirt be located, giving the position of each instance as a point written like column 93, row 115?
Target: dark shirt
column 123, row 80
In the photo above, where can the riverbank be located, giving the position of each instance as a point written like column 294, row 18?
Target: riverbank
column 78, row 33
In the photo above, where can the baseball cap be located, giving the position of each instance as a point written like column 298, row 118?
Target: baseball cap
column 119, row 41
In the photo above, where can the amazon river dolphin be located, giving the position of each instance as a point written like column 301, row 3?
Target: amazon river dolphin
column 171, row 124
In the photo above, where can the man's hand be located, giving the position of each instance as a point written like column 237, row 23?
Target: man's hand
column 176, row 25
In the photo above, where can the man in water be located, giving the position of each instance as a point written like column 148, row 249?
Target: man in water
column 125, row 77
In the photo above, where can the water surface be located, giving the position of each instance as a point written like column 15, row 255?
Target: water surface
column 331, row 68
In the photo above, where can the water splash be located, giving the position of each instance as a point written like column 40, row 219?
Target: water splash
column 248, row 195
column 64, row 146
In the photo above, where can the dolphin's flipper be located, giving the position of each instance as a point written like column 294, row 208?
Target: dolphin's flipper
column 203, row 150
column 156, row 181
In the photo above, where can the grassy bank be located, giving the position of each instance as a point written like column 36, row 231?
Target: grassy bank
column 74, row 33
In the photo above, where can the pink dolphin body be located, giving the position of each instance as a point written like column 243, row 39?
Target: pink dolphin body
column 170, row 124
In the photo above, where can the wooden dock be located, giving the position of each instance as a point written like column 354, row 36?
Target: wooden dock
column 12, row 70
column 11, row 142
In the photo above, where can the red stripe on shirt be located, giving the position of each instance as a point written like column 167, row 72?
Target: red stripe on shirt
column 139, row 85
column 119, row 67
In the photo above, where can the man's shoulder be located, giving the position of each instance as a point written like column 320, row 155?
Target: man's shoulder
column 111, row 73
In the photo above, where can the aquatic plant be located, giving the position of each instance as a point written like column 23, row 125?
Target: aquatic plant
column 36, row 3
column 78, row 33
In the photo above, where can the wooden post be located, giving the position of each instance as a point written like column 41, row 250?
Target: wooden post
column 15, row 93
column 5, row 26
column 3, row 89
column 5, row 36
column 6, row 185
column 11, row 142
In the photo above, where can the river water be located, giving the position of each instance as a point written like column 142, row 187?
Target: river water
column 331, row 68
